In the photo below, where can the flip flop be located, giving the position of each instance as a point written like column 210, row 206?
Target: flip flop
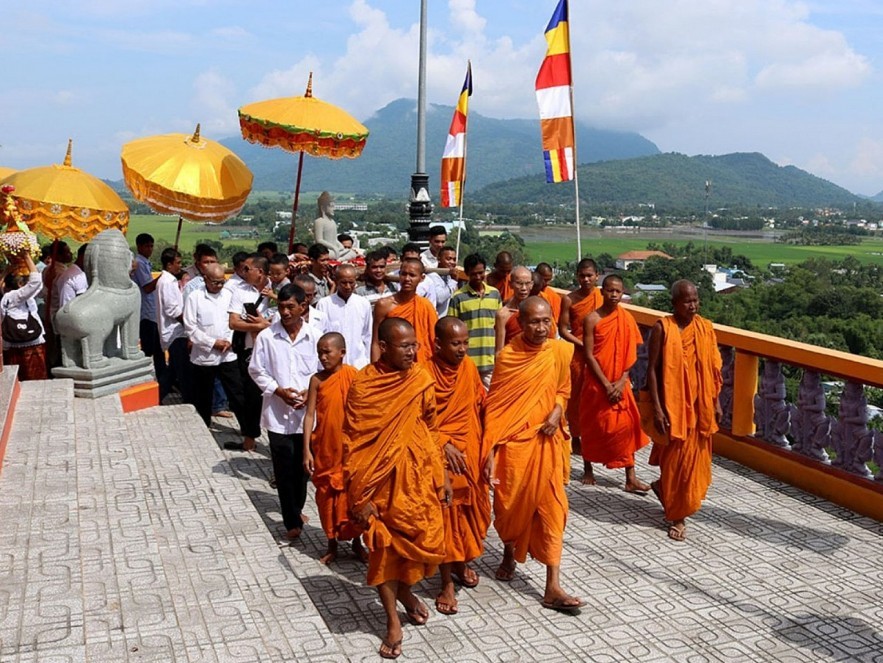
column 444, row 607
column 504, row 574
column 415, row 616
column 676, row 533
column 393, row 649
column 469, row 579
column 559, row 605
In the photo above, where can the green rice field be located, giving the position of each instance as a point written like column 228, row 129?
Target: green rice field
column 164, row 227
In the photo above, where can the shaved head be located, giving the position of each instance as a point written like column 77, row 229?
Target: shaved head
column 611, row 278
column 390, row 326
column 533, row 305
column 415, row 262
column 213, row 271
column 451, row 341
column 347, row 270
column 449, row 326
column 335, row 338
column 681, row 289
column 521, row 271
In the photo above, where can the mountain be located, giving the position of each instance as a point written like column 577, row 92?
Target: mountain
column 878, row 198
column 678, row 181
column 497, row 150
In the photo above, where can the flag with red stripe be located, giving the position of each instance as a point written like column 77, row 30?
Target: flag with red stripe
column 553, row 88
column 453, row 165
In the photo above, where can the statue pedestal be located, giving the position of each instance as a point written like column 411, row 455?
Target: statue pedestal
column 116, row 375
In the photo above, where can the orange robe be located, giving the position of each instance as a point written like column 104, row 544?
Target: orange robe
column 505, row 288
column 392, row 459
column 459, row 396
column 327, row 448
column 554, row 300
column 513, row 328
column 530, row 505
column 691, row 381
column 578, row 312
column 422, row 316
column 611, row 432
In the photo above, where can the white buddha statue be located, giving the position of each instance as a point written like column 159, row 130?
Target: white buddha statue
column 325, row 230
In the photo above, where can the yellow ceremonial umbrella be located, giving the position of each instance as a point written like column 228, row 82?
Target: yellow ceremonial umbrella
column 64, row 201
column 303, row 124
column 6, row 172
column 195, row 178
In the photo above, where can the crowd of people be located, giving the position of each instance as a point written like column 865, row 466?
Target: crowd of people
column 427, row 402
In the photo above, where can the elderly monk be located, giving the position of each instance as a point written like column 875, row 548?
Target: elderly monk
column 610, row 421
column 506, row 323
column 575, row 306
column 684, row 380
column 394, row 475
column 529, row 453
column 459, row 395
column 545, row 273
column 323, row 444
column 499, row 276
column 408, row 305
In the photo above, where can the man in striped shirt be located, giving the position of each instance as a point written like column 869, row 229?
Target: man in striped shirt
column 476, row 304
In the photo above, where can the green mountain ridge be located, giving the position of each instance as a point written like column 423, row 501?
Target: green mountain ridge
column 673, row 180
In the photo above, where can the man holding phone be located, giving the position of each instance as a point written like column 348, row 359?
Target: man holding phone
column 247, row 318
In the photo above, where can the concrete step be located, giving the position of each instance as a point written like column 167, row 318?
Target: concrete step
column 10, row 389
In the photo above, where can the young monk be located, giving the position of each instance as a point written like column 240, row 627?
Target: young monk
column 575, row 306
column 323, row 447
column 610, row 422
column 506, row 324
column 406, row 304
column 546, row 274
column 459, row 395
column 529, row 451
column 684, row 380
column 394, row 475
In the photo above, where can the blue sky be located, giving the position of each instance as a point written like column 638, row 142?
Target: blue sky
column 798, row 81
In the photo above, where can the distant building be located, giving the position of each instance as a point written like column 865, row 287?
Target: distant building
column 647, row 290
column 637, row 258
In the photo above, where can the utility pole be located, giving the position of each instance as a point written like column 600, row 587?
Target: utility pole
column 419, row 204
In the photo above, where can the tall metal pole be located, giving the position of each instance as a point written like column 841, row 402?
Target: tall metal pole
column 419, row 203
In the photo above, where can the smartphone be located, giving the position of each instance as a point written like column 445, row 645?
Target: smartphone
column 251, row 309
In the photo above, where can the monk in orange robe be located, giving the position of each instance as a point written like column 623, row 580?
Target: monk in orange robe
column 543, row 288
column 323, row 446
column 394, row 475
column 684, row 380
column 499, row 275
column 609, row 419
column 529, row 452
column 506, row 322
column 406, row 304
column 459, row 396
column 575, row 306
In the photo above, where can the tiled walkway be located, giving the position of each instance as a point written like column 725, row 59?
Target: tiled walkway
column 136, row 538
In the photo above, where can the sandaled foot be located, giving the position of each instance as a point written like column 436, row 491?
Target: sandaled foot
column 677, row 532
column 505, row 572
column 445, row 605
column 567, row 604
column 418, row 614
column 468, row 578
column 390, row 649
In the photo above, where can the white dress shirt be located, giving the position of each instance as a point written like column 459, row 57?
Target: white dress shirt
column 206, row 320
column 71, row 283
column 248, row 294
column 351, row 318
column 277, row 361
column 428, row 259
column 169, row 307
column 444, row 287
column 317, row 318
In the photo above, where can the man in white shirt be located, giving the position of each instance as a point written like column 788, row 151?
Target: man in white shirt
column 312, row 315
column 350, row 315
column 284, row 360
column 437, row 238
column 206, row 322
column 443, row 285
column 203, row 256
column 248, row 316
column 318, row 269
column 71, row 283
column 169, row 319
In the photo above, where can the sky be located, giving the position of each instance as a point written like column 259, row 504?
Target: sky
column 800, row 82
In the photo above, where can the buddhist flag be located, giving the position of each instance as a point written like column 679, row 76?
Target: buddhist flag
column 453, row 165
column 554, row 98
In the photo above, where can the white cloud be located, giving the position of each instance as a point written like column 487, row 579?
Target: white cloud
column 214, row 103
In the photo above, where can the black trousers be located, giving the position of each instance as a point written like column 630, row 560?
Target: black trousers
column 150, row 346
column 291, row 479
column 203, row 389
column 250, row 422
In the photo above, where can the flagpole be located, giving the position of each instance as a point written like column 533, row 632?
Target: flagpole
column 579, row 245
column 463, row 180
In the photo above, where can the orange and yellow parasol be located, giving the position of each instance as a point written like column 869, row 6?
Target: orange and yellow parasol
column 304, row 125
column 195, row 178
column 6, row 172
column 64, row 201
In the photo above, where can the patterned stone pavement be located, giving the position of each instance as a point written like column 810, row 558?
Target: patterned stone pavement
column 137, row 538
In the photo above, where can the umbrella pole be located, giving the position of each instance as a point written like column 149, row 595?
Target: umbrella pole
column 300, row 168
column 178, row 234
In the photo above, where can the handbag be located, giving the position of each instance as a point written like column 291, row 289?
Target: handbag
column 646, row 409
column 19, row 331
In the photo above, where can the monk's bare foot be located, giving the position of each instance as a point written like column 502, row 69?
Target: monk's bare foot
column 588, row 474
column 637, row 486
column 677, row 531
column 359, row 550
column 330, row 554
column 466, row 576
column 415, row 610
column 391, row 645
